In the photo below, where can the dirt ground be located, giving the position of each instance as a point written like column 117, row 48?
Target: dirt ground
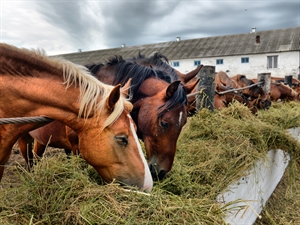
column 16, row 160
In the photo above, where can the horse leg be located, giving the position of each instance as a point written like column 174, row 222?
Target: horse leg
column 5, row 154
column 5, row 151
column 25, row 145
column 39, row 148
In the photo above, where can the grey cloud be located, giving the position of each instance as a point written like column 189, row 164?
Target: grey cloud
column 89, row 24
column 70, row 17
column 128, row 22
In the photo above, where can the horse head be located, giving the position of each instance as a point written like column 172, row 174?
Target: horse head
column 257, row 96
column 161, row 113
column 116, row 151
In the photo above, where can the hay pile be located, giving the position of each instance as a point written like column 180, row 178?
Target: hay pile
column 214, row 150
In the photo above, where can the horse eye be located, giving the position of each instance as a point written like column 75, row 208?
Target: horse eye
column 164, row 125
column 122, row 140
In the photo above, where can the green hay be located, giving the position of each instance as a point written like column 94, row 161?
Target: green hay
column 214, row 150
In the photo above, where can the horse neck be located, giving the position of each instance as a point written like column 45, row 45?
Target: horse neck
column 152, row 86
column 230, row 96
column 190, row 75
column 106, row 74
column 39, row 96
column 9, row 134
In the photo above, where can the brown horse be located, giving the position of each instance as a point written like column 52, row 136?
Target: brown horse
column 295, row 83
column 32, row 84
column 159, row 110
column 255, row 94
column 281, row 91
column 229, row 97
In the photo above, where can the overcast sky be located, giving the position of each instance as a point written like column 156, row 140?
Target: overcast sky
column 64, row 26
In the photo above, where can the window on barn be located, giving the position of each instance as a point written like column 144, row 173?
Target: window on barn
column 219, row 61
column 245, row 60
column 273, row 61
column 197, row 62
column 176, row 64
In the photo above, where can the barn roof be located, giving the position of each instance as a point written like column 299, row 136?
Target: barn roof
column 238, row 44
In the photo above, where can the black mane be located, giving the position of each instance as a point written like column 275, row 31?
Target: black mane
column 157, row 61
column 129, row 69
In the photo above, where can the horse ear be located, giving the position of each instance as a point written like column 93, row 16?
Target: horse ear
column 113, row 97
column 126, row 87
column 185, row 78
column 190, row 86
column 172, row 88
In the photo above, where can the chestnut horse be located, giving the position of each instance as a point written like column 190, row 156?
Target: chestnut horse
column 159, row 110
column 32, row 84
column 230, row 97
column 283, row 92
column 255, row 94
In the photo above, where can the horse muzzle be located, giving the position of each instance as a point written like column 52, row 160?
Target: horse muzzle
column 156, row 173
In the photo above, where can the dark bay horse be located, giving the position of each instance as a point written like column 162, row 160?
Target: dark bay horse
column 159, row 107
column 160, row 61
column 31, row 84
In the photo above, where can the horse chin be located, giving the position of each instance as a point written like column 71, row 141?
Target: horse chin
column 123, row 181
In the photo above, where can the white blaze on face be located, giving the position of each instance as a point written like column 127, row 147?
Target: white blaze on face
column 148, row 181
column 180, row 118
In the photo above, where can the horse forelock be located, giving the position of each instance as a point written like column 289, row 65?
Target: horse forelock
column 178, row 99
column 121, row 105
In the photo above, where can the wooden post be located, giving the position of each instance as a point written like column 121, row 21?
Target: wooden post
column 265, row 78
column 288, row 80
column 207, row 82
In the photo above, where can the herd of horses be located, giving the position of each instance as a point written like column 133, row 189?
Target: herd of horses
column 100, row 111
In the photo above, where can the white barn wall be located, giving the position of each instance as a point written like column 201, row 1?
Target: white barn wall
column 288, row 64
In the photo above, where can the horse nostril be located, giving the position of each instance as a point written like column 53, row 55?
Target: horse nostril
column 156, row 175
column 151, row 167
column 153, row 172
column 161, row 174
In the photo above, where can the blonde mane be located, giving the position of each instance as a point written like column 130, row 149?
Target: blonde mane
column 91, row 89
